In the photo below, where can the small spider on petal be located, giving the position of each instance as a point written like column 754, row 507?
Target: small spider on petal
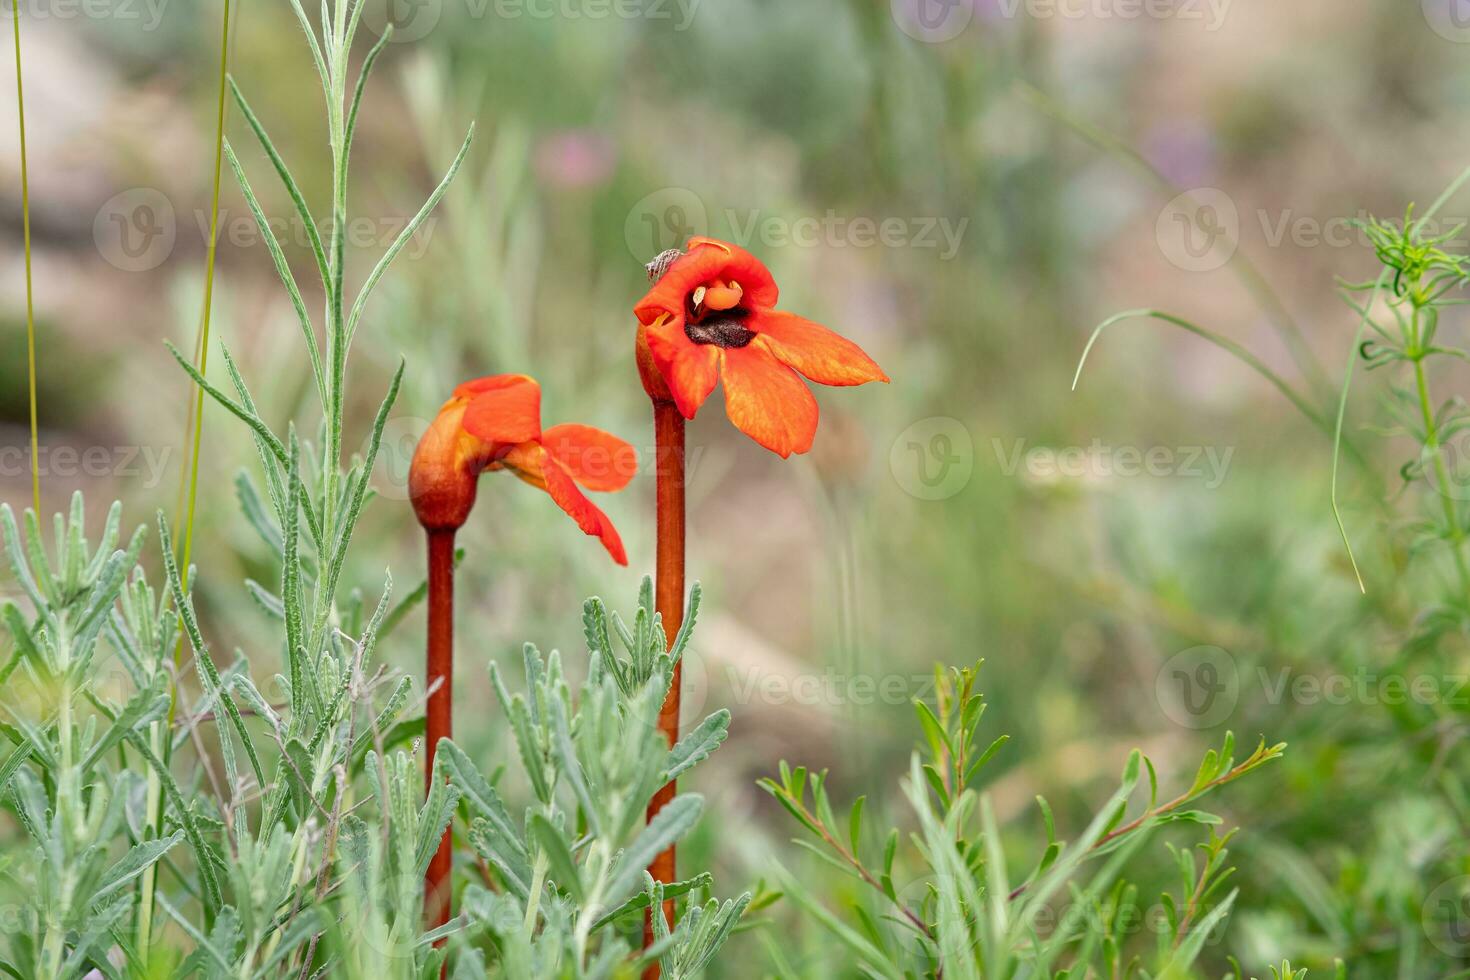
column 711, row 315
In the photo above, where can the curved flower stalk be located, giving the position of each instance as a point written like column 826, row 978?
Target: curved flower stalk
column 711, row 316
column 494, row 423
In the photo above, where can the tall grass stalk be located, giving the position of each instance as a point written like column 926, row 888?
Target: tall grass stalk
column 194, row 432
column 25, row 221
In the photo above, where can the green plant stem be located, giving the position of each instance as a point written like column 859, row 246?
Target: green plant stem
column 1250, row 277
column 1148, row 816
column 25, row 220
column 1431, row 445
column 68, row 809
column 160, row 745
column 533, row 906
column 1229, row 346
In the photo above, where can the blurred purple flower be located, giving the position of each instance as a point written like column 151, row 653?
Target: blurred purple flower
column 1183, row 151
column 575, row 158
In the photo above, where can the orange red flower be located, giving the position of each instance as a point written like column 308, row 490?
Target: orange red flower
column 712, row 316
column 494, row 423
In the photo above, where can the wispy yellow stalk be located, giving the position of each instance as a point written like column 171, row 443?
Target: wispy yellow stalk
column 25, row 217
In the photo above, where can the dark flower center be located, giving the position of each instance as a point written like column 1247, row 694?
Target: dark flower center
column 723, row 328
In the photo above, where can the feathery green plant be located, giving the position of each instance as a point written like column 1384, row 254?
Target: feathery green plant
column 1404, row 849
column 963, row 915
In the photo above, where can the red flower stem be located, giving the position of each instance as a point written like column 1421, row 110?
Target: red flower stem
column 668, row 429
column 439, row 668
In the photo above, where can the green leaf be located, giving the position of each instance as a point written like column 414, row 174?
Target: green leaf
column 287, row 181
column 561, row 864
column 698, row 744
column 257, row 425
column 670, row 824
column 139, row 857
column 404, row 236
column 207, row 671
column 278, row 257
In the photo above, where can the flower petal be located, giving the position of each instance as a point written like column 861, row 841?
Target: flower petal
column 532, row 463
column 563, row 490
column 692, row 377
column 706, row 261
column 492, row 382
column 509, row 412
column 825, row 357
column 744, row 268
column 598, row 460
column 768, row 402
column 690, row 370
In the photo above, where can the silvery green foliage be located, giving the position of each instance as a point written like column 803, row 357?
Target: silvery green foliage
column 60, row 777
column 945, row 902
column 299, row 844
column 572, row 858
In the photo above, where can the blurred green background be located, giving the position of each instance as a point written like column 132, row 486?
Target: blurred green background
column 1018, row 160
